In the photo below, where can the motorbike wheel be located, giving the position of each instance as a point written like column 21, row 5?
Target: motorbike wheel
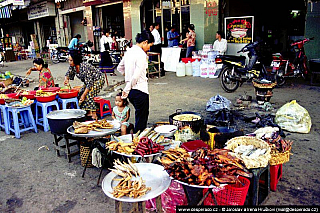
column 227, row 83
column 280, row 79
column 55, row 59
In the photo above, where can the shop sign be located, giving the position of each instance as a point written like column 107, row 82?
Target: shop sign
column 91, row 2
column 40, row 10
column 239, row 29
column 18, row 2
column 211, row 8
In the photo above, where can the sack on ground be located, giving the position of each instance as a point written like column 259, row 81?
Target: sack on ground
column 217, row 103
column 293, row 118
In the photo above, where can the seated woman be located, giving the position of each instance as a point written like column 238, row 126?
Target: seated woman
column 92, row 79
column 45, row 76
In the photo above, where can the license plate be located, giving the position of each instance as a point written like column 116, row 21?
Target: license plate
column 275, row 64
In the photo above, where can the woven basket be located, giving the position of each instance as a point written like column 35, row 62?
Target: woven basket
column 84, row 153
column 280, row 158
column 258, row 85
column 7, row 82
column 261, row 161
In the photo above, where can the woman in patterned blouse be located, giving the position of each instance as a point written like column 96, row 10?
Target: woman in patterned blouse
column 92, row 79
column 191, row 40
column 45, row 76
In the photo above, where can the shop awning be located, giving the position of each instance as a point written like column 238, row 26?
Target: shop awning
column 5, row 12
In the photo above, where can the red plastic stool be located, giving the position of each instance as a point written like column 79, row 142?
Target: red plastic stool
column 104, row 106
column 275, row 176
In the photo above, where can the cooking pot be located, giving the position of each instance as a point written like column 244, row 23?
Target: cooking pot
column 60, row 120
column 195, row 124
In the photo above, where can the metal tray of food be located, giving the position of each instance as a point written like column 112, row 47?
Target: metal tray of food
column 93, row 133
column 137, row 156
column 159, row 183
column 213, row 187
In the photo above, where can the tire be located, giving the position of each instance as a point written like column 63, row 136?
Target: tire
column 55, row 59
column 279, row 78
column 228, row 84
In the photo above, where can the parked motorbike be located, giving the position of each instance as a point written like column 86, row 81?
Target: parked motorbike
column 235, row 72
column 59, row 54
column 291, row 68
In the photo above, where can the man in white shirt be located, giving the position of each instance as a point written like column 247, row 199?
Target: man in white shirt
column 134, row 67
column 157, row 44
column 220, row 44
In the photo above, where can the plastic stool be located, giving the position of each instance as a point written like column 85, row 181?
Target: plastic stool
column 257, row 188
column 46, row 107
column 103, row 104
column 275, row 176
column 26, row 120
column 4, row 119
column 74, row 103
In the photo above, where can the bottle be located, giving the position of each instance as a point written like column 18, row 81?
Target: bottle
column 204, row 69
column 189, row 69
column 181, row 69
column 196, row 68
column 212, row 69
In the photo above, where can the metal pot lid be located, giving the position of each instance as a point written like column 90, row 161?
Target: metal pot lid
column 66, row 114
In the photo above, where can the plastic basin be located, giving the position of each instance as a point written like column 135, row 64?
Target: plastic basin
column 66, row 93
column 192, row 146
column 51, row 89
column 30, row 95
column 46, row 98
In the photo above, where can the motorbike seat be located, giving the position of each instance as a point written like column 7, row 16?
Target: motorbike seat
column 234, row 58
column 95, row 52
column 62, row 48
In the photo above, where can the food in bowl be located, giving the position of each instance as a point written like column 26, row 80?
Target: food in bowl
column 41, row 93
column 187, row 117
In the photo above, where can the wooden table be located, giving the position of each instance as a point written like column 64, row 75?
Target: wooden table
column 157, row 68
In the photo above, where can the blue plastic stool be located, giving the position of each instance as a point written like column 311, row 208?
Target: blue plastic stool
column 25, row 123
column 4, row 119
column 74, row 103
column 46, row 107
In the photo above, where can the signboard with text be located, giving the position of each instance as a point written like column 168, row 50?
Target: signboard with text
column 239, row 30
column 40, row 10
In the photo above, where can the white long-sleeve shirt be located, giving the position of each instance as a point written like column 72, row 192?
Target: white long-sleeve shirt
column 104, row 39
column 220, row 46
column 157, row 37
column 134, row 67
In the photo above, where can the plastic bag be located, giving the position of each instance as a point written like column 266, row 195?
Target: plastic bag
column 293, row 118
column 217, row 103
column 172, row 197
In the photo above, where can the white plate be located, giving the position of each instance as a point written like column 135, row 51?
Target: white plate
column 159, row 183
column 93, row 133
column 126, row 138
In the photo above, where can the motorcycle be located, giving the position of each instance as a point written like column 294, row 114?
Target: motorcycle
column 235, row 72
column 291, row 68
column 59, row 54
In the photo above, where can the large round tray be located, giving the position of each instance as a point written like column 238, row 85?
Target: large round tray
column 215, row 188
column 154, row 176
column 137, row 156
column 93, row 134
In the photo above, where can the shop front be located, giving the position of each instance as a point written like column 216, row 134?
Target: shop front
column 43, row 15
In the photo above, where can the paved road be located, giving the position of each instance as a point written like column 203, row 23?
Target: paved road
column 39, row 181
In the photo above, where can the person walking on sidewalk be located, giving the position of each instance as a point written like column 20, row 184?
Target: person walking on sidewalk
column 191, row 40
column 134, row 67
column 105, row 65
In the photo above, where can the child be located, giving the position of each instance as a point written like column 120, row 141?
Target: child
column 121, row 112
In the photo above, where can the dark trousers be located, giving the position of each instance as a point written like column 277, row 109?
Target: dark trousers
column 140, row 101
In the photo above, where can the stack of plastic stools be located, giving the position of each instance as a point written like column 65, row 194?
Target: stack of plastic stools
column 25, row 123
column 41, row 115
column 74, row 103
column 275, row 176
column 104, row 106
column 4, row 119
column 259, row 188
